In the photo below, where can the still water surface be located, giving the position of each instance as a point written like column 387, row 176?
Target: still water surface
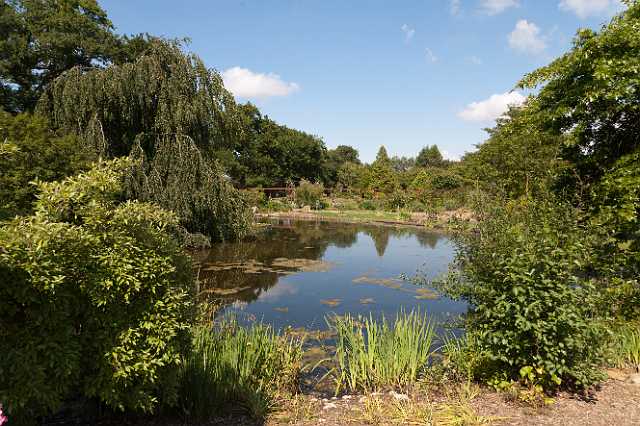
column 294, row 273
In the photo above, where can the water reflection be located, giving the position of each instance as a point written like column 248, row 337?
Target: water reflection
column 294, row 273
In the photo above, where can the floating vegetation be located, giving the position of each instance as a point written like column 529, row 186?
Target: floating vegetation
column 303, row 265
column 331, row 302
column 367, row 301
column 281, row 309
column 394, row 283
column 226, row 291
column 305, row 334
column 426, row 294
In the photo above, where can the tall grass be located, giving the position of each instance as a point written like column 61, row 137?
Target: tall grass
column 628, row 348
column 371, row 354
column 232, row 367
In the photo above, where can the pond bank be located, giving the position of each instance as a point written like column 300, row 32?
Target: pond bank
column 443, row 221
column 616, row 402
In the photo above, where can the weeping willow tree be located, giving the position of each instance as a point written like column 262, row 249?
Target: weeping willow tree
column 171, row 113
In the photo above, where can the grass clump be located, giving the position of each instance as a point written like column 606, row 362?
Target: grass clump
column 371, row 354
column 627, row 350
column 243, row 369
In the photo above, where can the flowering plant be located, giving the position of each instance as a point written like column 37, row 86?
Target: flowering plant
column 3, row 418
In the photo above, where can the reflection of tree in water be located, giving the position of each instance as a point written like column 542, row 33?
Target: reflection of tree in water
column 380, row 236
column 428, row 239
column 242, row 271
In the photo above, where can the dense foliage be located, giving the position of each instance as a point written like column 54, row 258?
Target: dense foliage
column 532, row 304
column 36, row 153
column 96, row 298
column 268, row 154
column 40, row 39
column 179, row 116
column 555, row 260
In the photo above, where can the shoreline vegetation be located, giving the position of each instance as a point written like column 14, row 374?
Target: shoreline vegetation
column 445, row 221
column 119, row 153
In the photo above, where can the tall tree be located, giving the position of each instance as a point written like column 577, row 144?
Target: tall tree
column 382, row 176
column 40, row 39
column 593, row 93
column 170, row 112
column 429, row 156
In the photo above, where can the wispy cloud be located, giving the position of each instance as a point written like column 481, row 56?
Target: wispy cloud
column 585, row 8
column 454, row 7
column 408, row 32
column 493, row 107
column 245, row 83
column 494, row 7
column 431, row 57
column 526, row 38
column 474, row 60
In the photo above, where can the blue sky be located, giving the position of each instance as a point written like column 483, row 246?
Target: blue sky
column 403, row 74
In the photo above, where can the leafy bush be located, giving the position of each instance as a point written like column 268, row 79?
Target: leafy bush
column 278, row 205
column 255, row 198
column 235, row 367
column 96, row 298
column 368, row 205
column 310, row 194
column 374, row 354
column 417, row 206
column 397, row 200
column 532, row 304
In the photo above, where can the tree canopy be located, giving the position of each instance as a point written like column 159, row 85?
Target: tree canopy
column 169, row 111
column 41, row 39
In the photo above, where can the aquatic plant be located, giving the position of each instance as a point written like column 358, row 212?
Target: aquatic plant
column 234, row 367
column 373, row 354
column 627, row 350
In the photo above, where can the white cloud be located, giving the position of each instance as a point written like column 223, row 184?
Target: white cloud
column 474, row 60
column 454, row 7
column 449, row 156
column 525, row 37
column 431, row 57
column 408, row 32
column 494, row 7
column 491, row 108
column 585, row 8
column 245, row 83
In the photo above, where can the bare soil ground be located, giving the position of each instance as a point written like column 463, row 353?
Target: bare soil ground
column 615, row 403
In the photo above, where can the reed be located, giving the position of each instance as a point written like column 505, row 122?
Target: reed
column 628, row 351
column 371, row 354
column 243, row 369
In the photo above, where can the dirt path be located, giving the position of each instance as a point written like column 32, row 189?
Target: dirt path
column 616, row 403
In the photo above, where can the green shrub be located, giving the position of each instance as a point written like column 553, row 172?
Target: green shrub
column 231, row 367
column 369, row 205
column 96, row 299
column 523, row 273
column 417, row 206
column 310, row 194
column 278, row 205
column 371, row 354
column 397, row 200
column 446, row 180
column 255, row 198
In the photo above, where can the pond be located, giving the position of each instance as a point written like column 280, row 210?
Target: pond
column 295, row 273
